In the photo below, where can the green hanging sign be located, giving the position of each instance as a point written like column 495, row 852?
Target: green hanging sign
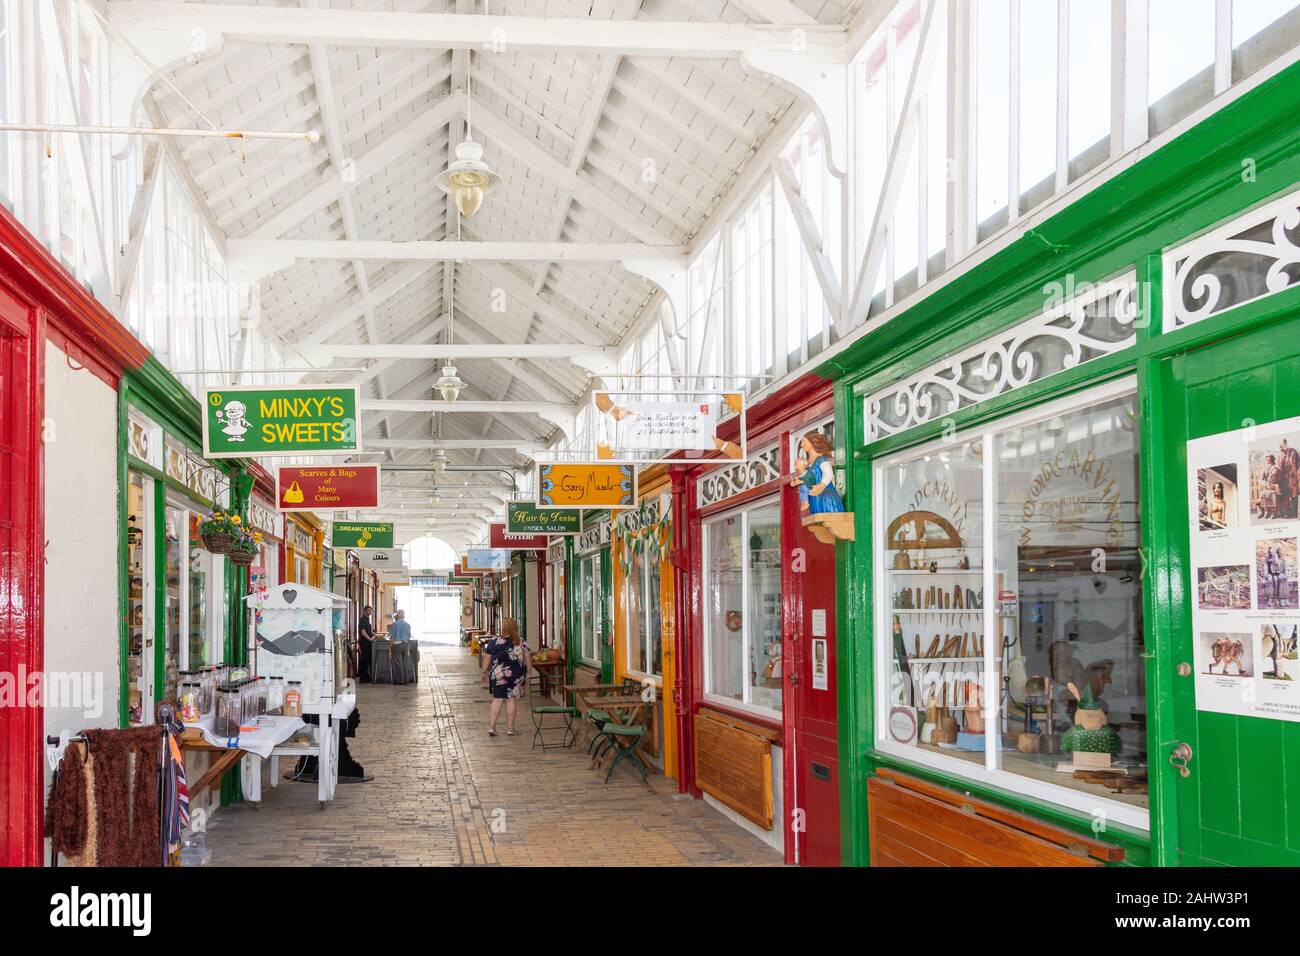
column 524, row 517
column 248, row 421
column 361, row 534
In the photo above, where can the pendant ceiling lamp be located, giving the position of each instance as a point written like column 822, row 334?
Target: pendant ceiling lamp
column 467, row 179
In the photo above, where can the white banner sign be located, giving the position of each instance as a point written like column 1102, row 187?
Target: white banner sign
column 387, row 559
column 645, row 426
column 1243, row 487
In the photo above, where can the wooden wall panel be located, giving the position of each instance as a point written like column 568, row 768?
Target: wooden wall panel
column 733, row 762
column 921, row 826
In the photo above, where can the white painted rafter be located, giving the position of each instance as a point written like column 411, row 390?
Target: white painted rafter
column 384, row 28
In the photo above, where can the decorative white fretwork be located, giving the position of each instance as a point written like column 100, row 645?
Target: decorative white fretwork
column 1088, row 324
column 180, row 464
column 264, row 518
column 594, row 537
column 1253, row 256
column 724, row 483
column 555, row 551
column 143, row 438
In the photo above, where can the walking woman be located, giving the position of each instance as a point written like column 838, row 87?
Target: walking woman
column 506, row 662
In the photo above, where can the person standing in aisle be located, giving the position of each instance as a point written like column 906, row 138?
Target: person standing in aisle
column 366, row 630
column 399, row 630
column 506, row 663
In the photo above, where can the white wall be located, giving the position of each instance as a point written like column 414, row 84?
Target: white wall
column 775, row 837
column 81, row 553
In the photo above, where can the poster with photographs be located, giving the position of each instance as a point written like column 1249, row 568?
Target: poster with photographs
column 1245, row 569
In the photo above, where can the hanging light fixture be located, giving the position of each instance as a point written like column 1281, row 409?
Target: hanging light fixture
column 467, row 179
column 439, row 460
column 449, row 384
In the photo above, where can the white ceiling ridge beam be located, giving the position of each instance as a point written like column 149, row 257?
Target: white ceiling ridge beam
column 599, row 360
column 356, row 310
column 383, row 28
column 900, row 151
column 557, row 413
column 678, row 88
column 584, row 192
column 451, row 443
column 445, row 250
column 783, row 12
column 571, row 321
column 810, row 236
column 409, row 137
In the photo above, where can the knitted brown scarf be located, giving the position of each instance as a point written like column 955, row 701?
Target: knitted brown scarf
column 126, row 811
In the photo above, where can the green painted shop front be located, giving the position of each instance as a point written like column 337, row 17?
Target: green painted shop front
column 1161, row 307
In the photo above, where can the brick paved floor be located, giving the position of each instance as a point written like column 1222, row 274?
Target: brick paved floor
column 445, row 793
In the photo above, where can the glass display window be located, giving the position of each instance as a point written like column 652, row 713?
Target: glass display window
column 1009, row 602
column 742, row 607
column 589, row 610
column 140, row 558
column 194, row 580
column 644, row 614
column 555, row 598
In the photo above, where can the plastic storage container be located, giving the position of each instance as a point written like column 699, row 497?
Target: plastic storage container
column 275, row 697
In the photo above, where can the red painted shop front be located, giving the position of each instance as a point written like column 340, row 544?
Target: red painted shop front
column 39, row 299
column 756, row 624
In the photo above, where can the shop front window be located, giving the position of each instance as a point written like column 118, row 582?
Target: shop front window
column 198, row 596
column 589, row 609
column 1011, row 608
column 140, row 579
column 742, row 620
column 644, row 616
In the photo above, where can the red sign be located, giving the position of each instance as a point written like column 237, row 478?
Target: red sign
column 498, row 538
column 327, row 487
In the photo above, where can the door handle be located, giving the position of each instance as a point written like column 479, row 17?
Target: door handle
column 794, row 678
column 1179, row 757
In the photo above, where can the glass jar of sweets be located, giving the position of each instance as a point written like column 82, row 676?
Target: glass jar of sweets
column 275, row 697
column 293, row 699
column 189, row 702
column 229, row 711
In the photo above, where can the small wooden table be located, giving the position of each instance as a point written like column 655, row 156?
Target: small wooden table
column 550, row 675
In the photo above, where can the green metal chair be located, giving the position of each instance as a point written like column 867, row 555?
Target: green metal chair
column 626, row 738
column 539, row 716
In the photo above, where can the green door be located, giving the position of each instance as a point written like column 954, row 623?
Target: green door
column 605, row 614
column 1239, row 803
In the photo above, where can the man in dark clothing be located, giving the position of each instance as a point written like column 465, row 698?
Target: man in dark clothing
column 366, row 630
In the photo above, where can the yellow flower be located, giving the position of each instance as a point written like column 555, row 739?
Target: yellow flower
column 257, row 536
column 234, row 519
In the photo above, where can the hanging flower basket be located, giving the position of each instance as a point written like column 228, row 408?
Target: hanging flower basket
column 219, row 542
column 242, row 558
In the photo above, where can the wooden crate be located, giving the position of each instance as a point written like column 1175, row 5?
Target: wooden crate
column 912, row 822
column 733, row 762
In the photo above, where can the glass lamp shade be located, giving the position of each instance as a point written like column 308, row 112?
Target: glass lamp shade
column 468, row 179
column 439, row 460
column 449, row 384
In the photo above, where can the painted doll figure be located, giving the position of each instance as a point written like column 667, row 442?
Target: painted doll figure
column 815, row 476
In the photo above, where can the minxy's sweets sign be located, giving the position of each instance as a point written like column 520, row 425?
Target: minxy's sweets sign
column 244, row 422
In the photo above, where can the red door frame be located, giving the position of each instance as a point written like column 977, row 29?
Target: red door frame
column 39, row 300
column 803, row 403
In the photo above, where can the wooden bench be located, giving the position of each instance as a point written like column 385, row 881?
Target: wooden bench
column 912, row 822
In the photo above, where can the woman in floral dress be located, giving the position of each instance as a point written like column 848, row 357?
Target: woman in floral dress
column 506, row 662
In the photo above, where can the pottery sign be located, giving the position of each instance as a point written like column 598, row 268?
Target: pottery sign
column 268, row 420
column 586, row 486
column 327, row 487
column 499, row 537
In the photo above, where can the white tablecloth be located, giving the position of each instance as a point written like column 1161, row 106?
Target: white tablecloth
column 270, row 733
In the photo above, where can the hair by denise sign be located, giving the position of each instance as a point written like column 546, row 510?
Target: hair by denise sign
column 327, row 487
column 243, row 422
column 524, row 517
column 586, row 486
column 362, row 534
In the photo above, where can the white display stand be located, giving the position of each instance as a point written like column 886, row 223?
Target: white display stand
column 296, row 640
